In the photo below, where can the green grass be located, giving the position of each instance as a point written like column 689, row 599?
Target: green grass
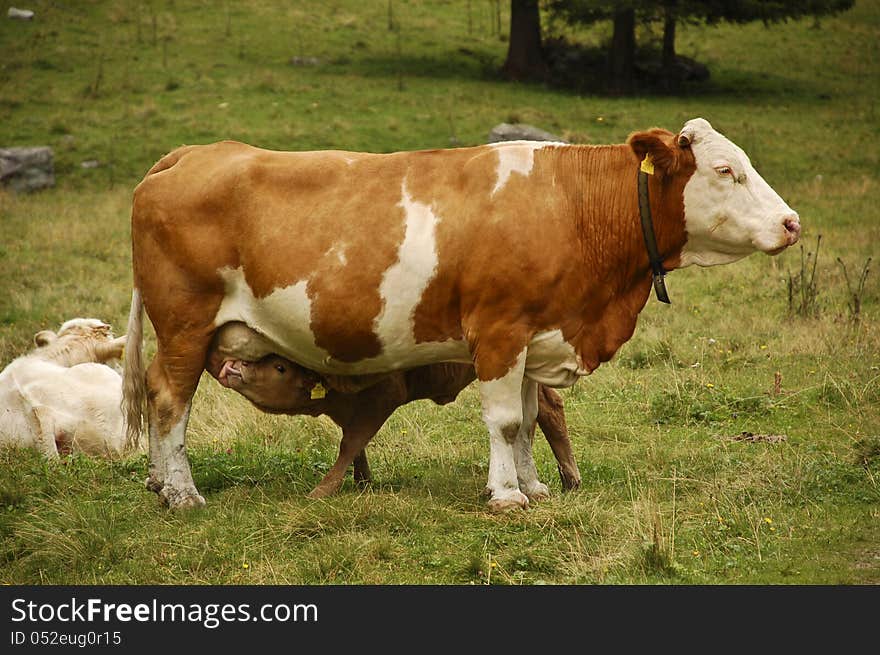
column 668, row 497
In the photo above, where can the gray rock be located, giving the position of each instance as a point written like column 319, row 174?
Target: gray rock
column 304, row 61
column 27, row 169
column 20, row 14
column 520, row 132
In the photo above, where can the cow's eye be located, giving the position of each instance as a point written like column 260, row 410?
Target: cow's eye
column 280, row 368
column 724, row 170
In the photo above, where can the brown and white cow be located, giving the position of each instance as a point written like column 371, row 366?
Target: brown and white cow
column 525, row 259
column 241, row 360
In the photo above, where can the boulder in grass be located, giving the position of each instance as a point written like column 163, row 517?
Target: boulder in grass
column 520, row 132
column 20, row 14
column 26, row 169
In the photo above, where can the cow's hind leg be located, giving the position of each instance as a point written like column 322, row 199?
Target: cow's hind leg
column 171, row 382
column 551, row 418
column 526, row 472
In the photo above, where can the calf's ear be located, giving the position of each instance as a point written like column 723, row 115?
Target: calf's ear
column 44, row 338
column 658, row 144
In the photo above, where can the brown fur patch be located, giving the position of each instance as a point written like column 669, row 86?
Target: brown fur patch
column 510, row 432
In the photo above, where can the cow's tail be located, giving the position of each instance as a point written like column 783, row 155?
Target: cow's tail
column 134, row 383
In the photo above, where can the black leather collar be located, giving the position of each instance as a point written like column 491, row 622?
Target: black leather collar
column 650, row 240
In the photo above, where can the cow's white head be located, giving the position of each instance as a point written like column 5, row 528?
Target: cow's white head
column 730, row 211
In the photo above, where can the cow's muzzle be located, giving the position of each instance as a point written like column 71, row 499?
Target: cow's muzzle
column 792, row 227
column 791, row 232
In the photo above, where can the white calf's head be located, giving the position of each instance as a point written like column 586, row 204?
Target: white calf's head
column 85, row 327
column 78, row 327
column 77, row 341
column 730, row 211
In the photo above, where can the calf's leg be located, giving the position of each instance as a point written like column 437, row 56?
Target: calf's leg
column 360, row 419
column 362, row 474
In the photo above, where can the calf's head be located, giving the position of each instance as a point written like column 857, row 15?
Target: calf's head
column 729, row 210
column 272, row 383
column 79, row 340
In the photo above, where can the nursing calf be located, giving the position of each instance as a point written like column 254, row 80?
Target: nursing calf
column 61, row 397
column 238, row 359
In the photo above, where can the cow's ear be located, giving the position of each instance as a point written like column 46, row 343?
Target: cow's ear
column 657, row 144
column 44, row 338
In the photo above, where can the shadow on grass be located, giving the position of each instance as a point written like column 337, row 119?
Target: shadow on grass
column 741, row 86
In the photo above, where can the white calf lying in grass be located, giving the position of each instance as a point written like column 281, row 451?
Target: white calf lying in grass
column 62, row 397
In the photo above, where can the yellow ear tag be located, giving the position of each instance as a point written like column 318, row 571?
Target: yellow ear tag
column 318, row 392
column 647, row 165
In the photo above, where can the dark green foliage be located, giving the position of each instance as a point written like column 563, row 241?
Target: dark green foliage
column 625, row 16
column 738, row 11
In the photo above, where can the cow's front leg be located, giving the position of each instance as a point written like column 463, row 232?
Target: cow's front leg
column 501, row 398
column 526, row 472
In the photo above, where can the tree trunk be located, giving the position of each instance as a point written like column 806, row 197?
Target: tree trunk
column 525, row 56
column 669, row 20
column 623, row 52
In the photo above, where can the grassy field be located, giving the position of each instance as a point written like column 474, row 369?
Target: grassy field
column 670, row 493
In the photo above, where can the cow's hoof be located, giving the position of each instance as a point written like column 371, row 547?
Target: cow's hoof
column 154, row 485
column 323, row 491
column 570, row 483
column 510, row 500
column 536, row 491
column 181, row 498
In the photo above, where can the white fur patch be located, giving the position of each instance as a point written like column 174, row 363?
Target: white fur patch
column 515, row 157
column 283, row 317
column 405, row 281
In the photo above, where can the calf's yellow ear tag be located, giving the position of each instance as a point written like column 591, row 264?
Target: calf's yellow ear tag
column 318, row 392
column 647, row 165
